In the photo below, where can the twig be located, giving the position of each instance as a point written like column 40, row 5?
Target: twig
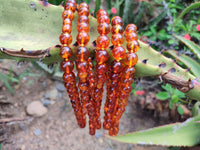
column 6, row 120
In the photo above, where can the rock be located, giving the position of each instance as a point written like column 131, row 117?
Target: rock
column 36, row 109
column 60, row 87
column 46, row 102
column 98, row 135
column 37, row 132
column 53, row 94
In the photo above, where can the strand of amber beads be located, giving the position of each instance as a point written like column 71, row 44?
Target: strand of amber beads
column 66, row 65
column 118, row 53
column 102, row 43
column 126, row 81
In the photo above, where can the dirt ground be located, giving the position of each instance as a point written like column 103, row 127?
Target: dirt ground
column 57, row 130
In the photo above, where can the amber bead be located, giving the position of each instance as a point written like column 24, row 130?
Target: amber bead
column 102, row 41
column 131, row 36
column 82, row 66
column 132, row 46
column 117, row 29
column 83, row 86
column 83, row 11
column 131, row 59
column 82, row 38
column 101, row 56
column 101, row 68
column 70, row 6
column 118, row 53
column 103, row 19
column 65, row 39
column 82, row 74
column 68, row 14
column 82, row 53
column 68, row 77
column 71, row 1
column 66, row 28
column 117, row 39
column 83, row 18
column 67, row 66
column 117, row 66
column 101, row 12
column 116, row 21
column 65, row 52
column 103, row 28
column 83, row 27
column 67, row 21
column 130, row 28
column 128, row 72
column 83, row 5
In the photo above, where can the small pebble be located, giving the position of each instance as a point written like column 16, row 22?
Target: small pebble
column 60, row 94
column 60, row 87
column 37, row 132
column 46, row 95
column 46, row 102
column 36, row 109
column 53, row 94
column 108, row 148
column 98, row 135
column 44, row 84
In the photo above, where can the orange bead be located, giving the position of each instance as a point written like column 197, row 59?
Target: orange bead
column 101, row 56
column 128, row 72
column 71, row 1
column 118, row 53
column 67, row 21
column 131, row 36
column 117, row 29
column 116, row 21
column 66, row 28
column 68, row 77
column 103, row 19
column 68, row 14
column 67, row 66
column 82, row 53
column 65, row 38
column 83, row 19
column 83, row 86
column 117, row 39
column 102, row 41
column 70, row 6
column 130, row 28
column 117, row 66
column 133, row 46
column 83, row 27
column 65, row 52
column 83, row 11
column 101, row 12
column 83, row 5
column 131, row 59
column 103, row 28
column 101, row 68
column 82, row 38
column 82, row 75
column 82, row 66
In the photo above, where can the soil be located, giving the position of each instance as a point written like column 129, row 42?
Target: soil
column 58, row 130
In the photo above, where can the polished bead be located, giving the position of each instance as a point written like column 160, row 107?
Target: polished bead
column 131, row 59
column 117, row 66
column 130, row 28
column 117, row 29
column 83, row 27
column 118, row 53
column 103, row 19
column 83, row 86
column 66, row 28
column 82, row 74
column 67, row 21
column 131, row 36
column 101, row 12
column 83, row 11
column 65, row 38
column 68, row 14
column 82, row 38
column 102, row 41
column 101, row 56
column 83, row 18
column 117, row 39
column 83, row 5
column 71, row 1
column 132, row 46
column 65, row 52
column 68, row 77
column 70, row 6
column 82, row 66
column 67, row 66
column 103, row 28
column 116, row 21
column 128, row 72
column 82, row 53
column 101, row 68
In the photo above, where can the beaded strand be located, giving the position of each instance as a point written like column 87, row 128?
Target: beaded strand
column 102, row 55
column 66, row 65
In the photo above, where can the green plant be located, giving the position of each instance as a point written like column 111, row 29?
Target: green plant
column 173, row 95
column 37, row 32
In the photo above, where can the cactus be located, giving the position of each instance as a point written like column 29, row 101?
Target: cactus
column 32, row 34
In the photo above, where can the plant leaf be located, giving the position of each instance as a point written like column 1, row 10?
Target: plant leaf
column 192, row 6
column 4, row 78
column 162, row 95
column 178, row 134
column 180, row 110
column 194, row 47
column 189, row 62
